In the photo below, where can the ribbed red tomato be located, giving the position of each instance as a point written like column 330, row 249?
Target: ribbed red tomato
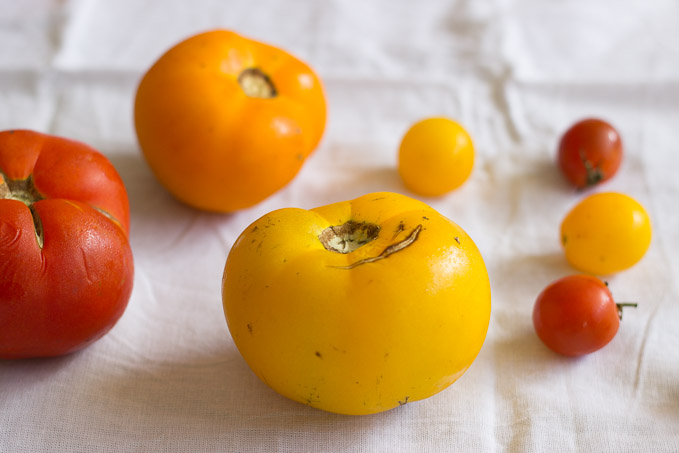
column 66, row 266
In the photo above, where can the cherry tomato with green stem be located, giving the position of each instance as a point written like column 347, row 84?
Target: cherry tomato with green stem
column 577, row 315
column 590, row 152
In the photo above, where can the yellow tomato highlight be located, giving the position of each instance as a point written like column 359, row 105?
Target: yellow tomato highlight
column 436, row 156
column 359, row 306
column 606, row 233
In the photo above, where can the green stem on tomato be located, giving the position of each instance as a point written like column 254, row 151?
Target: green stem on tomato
column 624, row 304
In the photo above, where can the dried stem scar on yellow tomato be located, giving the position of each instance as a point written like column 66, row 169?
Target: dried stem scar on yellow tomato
column 359, row 306
column 225, row 121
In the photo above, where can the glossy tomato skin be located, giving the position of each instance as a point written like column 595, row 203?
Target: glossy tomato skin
column 436, row 156
column 605, row 233
column 590, row 152
column 398, row 319
column 576, row 315
column 66, row 267
column 212, row 142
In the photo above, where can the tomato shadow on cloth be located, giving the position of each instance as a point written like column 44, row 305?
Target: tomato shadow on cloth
column 148, row 198
column 214, row 392
column 517, row 280
column 158, row 221
column 28, row 372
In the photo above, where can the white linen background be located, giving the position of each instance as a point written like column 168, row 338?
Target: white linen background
column 515, row 73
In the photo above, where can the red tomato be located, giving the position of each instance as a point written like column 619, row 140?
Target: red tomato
column 66, row 266
column 590, row 152
column 576, row 315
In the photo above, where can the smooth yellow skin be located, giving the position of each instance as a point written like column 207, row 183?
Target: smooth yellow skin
column 606, row 233
column 436, row 156
column 365, row 339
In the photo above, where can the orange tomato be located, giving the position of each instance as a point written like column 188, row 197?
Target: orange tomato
column 224, row 121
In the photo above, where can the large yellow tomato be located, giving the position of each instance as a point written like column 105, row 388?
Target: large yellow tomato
column 225, row 121
column 357, row 307
column 606, row 233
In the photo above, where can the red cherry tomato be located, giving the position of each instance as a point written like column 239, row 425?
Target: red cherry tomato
column 590, row 153
column 576, row 315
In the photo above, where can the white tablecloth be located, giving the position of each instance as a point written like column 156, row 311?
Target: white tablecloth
column 515, row 73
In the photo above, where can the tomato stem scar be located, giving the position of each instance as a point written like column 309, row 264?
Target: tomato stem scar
column 393, row 248
column 349, row 236
column 19, row 189
column 23, row 190
column 594, row 175
column 4, row 188
column 37, row 225
column 256, row 84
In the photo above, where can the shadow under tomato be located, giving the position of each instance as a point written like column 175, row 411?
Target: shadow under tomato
column 35, row 370
column 516, row 282
column 148, row 198
column 157, row 219
column 212, row 394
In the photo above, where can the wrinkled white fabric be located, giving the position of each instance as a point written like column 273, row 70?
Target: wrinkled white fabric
column 515, row 73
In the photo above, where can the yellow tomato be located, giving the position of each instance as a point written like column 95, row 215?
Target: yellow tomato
column 436, row 156
column 359, row 306
column 606, row 233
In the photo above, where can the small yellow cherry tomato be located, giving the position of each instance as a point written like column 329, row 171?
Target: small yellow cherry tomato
column 436, row 156
column 357, row 307
column 606, row 233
